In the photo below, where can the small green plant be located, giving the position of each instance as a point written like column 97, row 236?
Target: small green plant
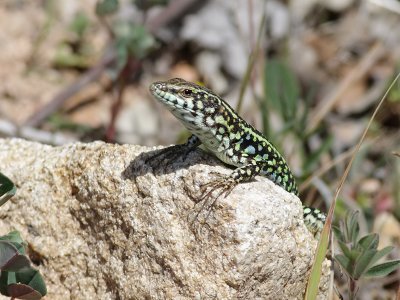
column 17, row 277
column 129, row 39
column 359, row 256
column 75, row 51
column 131, row 42
column 106, row 7
column 282, row 95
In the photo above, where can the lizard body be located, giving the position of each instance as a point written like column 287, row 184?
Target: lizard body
column 216, row 125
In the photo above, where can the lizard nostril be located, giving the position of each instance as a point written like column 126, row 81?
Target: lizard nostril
column 155, row 86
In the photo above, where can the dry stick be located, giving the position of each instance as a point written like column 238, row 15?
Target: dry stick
column 326, row 105
column 250, row 10
column 327, row 227
column 133, row 65
column 91, row 75
column 121, row 82
column 170, row 13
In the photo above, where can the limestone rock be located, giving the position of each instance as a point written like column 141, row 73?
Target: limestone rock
column 103, row 224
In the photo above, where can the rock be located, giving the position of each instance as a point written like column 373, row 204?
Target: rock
column 102, row 224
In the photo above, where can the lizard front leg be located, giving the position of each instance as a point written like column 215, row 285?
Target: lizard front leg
column 173, row 152
column 226, row 184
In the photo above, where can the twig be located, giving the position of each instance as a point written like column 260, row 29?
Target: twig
column 91, row 75
column 174, row 10
column 131, row 66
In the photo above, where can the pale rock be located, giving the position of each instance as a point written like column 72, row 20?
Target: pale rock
column 109, row 226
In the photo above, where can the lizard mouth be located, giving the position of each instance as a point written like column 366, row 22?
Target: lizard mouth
column 172, row 101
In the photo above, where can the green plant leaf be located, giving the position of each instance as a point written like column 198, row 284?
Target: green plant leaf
column 23, row 291
column 106, row 7
column 15, row 239
column 383, row 269
column 32, row 278
column 7, row 189
column 16, row 263
column 17, row 277
column 281, row 89
column 362, row 263
column 345, row 263
column 12, row 236
column 369, row 242
column 7, row 252
column 345, row 250
column 25, row 284
column 352, row 228
column 381, row 253
column 338, row 233
column 132, row 40
column 80, row 24
column 351, row 254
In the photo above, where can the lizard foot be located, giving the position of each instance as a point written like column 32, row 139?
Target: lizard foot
column 223, row 186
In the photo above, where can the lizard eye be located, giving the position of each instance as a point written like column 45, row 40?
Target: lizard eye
column 187, row 92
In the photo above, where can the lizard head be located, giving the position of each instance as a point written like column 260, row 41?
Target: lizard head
column 189, row 102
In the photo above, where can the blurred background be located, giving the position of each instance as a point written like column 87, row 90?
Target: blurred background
column 308, row 74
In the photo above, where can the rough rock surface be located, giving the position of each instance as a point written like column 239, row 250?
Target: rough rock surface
column 103, row 224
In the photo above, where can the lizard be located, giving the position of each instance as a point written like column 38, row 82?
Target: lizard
column 214, row 124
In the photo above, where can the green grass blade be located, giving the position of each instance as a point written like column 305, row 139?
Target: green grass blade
column 316, row 271
column 313, row 282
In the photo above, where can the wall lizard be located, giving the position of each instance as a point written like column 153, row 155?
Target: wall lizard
column 215, row 124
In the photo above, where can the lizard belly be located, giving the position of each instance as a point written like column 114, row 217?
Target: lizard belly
column 228, row 159
column 227, row 155
column 211, row 143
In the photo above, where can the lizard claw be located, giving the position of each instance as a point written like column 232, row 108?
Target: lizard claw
column 223, row 185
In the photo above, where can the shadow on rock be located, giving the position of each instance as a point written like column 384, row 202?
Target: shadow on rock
column 157, row 162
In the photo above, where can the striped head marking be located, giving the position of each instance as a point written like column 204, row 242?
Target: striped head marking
column 189, row 102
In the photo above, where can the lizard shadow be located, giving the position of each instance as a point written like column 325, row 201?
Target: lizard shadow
column 199, row 215
column 144, row 163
